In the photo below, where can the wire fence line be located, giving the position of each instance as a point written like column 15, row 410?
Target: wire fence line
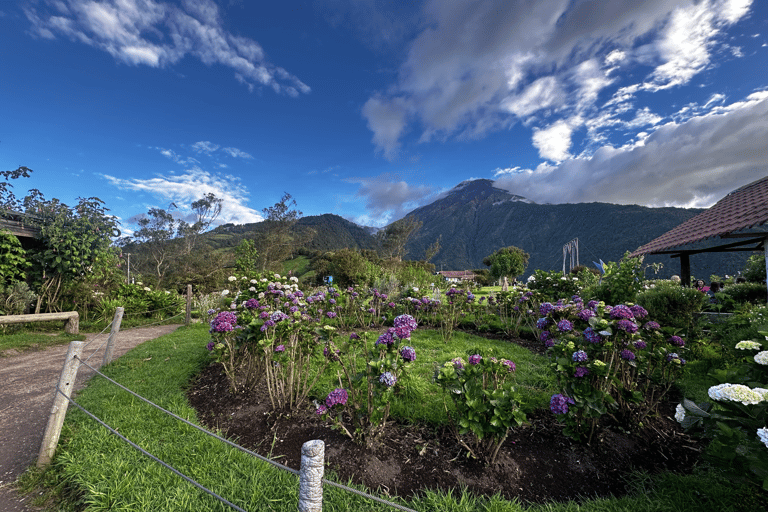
column 222, row 439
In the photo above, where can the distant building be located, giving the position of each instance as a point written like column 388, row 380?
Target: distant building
column 458, row 276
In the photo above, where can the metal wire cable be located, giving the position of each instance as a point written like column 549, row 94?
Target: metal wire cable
column 97, row 336
column 245, row 450
column 145, row 452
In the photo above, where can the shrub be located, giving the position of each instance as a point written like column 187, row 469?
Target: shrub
column 746, row 292
column 608, row 360
column 486, row 403
column 553, row 286
column 370, row 376
column 754, row 269
column 620, row 282
column 673, row 305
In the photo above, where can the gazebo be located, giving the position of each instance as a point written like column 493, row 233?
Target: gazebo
column 735, row 223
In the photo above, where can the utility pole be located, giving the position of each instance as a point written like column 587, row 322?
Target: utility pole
column 129, row 267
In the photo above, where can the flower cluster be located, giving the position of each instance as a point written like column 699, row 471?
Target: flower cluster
column 224, row 322
column 748, row 345
column 762, row 358
column 338, row 396
column 737, row 393
column 558, row 404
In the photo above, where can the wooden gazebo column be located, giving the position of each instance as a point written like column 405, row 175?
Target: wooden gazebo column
column 685, row 269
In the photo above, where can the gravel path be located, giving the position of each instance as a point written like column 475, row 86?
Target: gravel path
column 27, row 382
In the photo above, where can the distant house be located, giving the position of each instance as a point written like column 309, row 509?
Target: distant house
column 458, row 276
column 25, row 227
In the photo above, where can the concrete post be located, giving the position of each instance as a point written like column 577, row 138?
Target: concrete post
column 60, row 403
column 311, row 476
column 113, row 335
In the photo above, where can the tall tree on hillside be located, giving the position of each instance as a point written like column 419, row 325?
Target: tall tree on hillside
column 507, row 262
column 206, row 210
column 276, row 242
column 157, row 229
column 393, row 238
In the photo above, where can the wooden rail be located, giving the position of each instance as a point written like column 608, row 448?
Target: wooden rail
column 72, row 319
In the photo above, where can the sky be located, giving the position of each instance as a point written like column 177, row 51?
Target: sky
column 368, row 109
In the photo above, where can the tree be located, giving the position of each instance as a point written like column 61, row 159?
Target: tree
column 206, row 210
column 507, row 262
column 246, row 256
column 156, row 231
column 276, row 242
column 393, row 238
column 8, row 200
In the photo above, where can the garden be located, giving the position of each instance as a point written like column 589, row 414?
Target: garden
column 585, row 391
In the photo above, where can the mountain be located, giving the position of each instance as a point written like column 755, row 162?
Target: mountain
column 474, row 219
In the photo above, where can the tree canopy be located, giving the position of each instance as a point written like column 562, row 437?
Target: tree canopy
column 507, row 262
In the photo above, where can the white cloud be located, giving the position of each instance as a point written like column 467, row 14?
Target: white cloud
column 159, row 34
column 477, row 67
column 237, row 153
column 185, row 188
column 554, row 141
column 205, row 147
column 694, row 163
column 388, row 198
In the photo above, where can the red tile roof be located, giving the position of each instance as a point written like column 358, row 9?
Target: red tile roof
column 743, row 208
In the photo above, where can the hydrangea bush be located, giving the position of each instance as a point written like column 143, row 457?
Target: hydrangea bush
column 370, row 376
column 517, row 308
column 454, row 308
column 609, row 360
column 486, row 404
column 737, row 418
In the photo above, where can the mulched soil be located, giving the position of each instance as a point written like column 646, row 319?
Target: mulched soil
column 536, row 463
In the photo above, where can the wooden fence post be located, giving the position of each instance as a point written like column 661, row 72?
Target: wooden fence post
column 113, row 334
column 311, row 476
column 188, row 319
column 60, row 403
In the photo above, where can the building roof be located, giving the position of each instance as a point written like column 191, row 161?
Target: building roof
column 744, row 208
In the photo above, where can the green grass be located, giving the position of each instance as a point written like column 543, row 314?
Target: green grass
column 93, row 470
column 24, row 341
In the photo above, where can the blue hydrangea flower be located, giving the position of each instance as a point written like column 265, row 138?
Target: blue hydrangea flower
column 558, row 404
column 579, row 356
column 408, row 353
column 387, row 379
column 564, row 325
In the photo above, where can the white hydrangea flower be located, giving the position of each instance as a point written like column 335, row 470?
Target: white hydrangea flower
column 252, row 289
column 277, row 276
column 679, row 413
column 243, row 278
column 231, row 278
column 748, row 345
column 253, row 281
column 762, row 392
column 263, row 279
column 762, row 433
column 261, row 295
column 224, row 293
column 147, row 289
column 735, row 393
column 294, row 279
column 762, row 358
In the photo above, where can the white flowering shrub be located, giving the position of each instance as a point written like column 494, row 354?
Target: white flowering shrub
column 737, row 418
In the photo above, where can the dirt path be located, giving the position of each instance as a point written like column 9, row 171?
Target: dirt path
column 27, row 383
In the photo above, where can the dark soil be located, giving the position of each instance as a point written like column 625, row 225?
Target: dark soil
column 536, row 463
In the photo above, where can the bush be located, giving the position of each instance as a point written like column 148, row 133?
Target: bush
column 747, row 292
column 620, row 282
column 673, row 305
column 553, row 286
column 754, row 270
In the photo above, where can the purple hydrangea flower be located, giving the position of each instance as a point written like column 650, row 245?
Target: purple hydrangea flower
column 331, row 314
column 627, row 326
column 558, row 404
column 251, row 303
column 402, row 332
column 336, row 397
column 210, row 346
column 408, row 353
column 545, row 308
column 564, row 325
column 278, row 316
column 406, row 321
column 579, row 356
column 321, row 409
column 672, row 356
column 585, row 314
column 458, row 363
column 224, row 322
column 640, row 345
column 639, row 311
column 549, row 343
column 592, row 304
column 591, row 336
column 280, row 348
column 475, row 359
column 354, row 336
column 545, row 336
column 386, row 338
column 621, row 311
column 627, row 355
column 677, row 341
column 581, row 372
column 387, row 379
column 541, row 323
column 651, row 326
column 509, row 364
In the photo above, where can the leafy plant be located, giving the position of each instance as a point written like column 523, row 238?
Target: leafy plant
column 369, row 377
column 486, row 403
column 12, row 259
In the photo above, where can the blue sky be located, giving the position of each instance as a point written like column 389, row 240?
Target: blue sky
column 368, row 109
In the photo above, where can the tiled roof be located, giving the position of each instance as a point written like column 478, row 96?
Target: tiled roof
column 743, row 208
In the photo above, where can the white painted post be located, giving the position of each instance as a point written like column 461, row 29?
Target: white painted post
column 311, row 476
column 60, row 403
column 112, row 335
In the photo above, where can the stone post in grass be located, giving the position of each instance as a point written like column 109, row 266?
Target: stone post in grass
column 311, row 476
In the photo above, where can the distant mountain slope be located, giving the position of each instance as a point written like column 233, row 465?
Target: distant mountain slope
column 475, row 219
